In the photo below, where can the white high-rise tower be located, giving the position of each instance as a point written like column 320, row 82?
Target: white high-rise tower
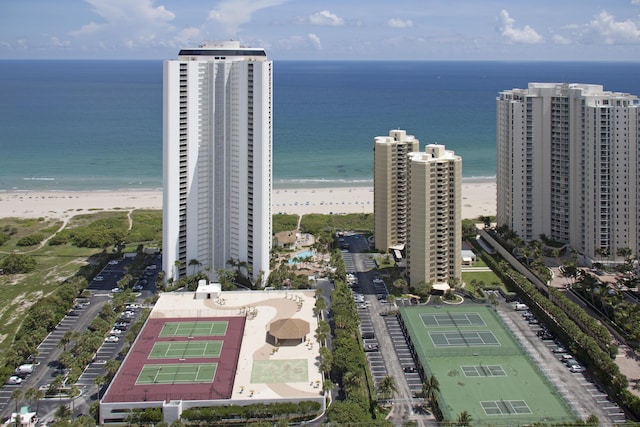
column 217, row 138
column 568, row 167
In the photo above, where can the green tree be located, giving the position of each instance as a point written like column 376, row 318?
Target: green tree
column 464, row 419
column 16, row 396
column 326, row 359
column 17, row 264
column 63, row 413
column 387, row 387
column 430, row 388
column 227, row 278
column 195, row 264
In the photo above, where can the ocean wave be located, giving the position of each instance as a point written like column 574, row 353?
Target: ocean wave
column 33, row 178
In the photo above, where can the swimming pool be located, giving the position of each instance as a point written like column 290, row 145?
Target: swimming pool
column 300, row 256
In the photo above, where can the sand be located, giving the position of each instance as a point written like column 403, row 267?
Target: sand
column 478, row 198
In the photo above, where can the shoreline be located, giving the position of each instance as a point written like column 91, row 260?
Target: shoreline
column 478, row 198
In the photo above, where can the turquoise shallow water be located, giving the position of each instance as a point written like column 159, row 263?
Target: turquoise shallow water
column 84, row 125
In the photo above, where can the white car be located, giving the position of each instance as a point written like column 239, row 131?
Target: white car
column 14, row 380
column 115, row 331
column 111, row 338
column 133, row 306
column 114, row 262
column 577, row 368
column 117, row 290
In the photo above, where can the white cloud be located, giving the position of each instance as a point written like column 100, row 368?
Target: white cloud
column 315, row 41
column 326, row 18
column 399, row 23
column 516, row 35
column 614, row 31
column 189, row 35
column 558, row 39
column 134, row 22
column 233, row 13
column 635, row 2
column 55, row 41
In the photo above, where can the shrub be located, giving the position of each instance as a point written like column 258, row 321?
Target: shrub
column 17, row 264
column 30, row 240
column 4, row 238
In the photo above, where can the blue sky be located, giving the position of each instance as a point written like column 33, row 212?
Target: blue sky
column 606, row 30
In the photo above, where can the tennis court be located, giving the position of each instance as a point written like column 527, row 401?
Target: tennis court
column 451, row 319
column 505, row 407
column 177, row 373
column 185, row 349
column 194, row 329
column 463, row 338
column 480, row 367
column 483, row 371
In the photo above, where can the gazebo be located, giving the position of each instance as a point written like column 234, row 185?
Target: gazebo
column 284, row 330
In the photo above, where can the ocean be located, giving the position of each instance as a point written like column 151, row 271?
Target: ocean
column 97, row 125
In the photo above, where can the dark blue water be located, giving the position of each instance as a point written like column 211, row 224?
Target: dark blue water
column 82, row 125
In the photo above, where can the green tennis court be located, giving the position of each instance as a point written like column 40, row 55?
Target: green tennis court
column 177, row 373
column 481, row 368
column 185, row 349
column 194, row 329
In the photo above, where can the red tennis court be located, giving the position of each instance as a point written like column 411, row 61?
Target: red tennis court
column 123, row 388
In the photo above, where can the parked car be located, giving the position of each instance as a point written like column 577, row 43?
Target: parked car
column 114, row 262
column 558, row 349
column 117, row 290
column 98, row 278
column 577, row 368
column 14, row 380
column 115, row 331
column 111, row 338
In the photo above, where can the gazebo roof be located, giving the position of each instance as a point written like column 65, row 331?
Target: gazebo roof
column 288, row 329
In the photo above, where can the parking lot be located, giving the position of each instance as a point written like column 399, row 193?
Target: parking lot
column 46, row 366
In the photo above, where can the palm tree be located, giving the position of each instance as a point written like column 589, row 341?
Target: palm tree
column 464, row 419
column 63, row 413
column 387, row 387
column 99, row 381
column 16, row 395
column 178, row 264
column 326, row 359
column 430, row 387
column 111, row 367
column 67, row 338
column 327, row 385
column 195, row 264
column 625, row 253
column 72, row 392
column 30, row 395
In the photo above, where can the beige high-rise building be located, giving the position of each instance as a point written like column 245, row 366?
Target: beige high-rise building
column 390, row 188
column 568, row 167
column 434, row 238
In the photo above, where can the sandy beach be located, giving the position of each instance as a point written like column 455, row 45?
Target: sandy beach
column 478, row 198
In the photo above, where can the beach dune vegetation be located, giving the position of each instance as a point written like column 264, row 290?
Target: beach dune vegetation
column 17, row 264
column 284, row 222
column 103, row 231
column 30, row 240
column 316, row 223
